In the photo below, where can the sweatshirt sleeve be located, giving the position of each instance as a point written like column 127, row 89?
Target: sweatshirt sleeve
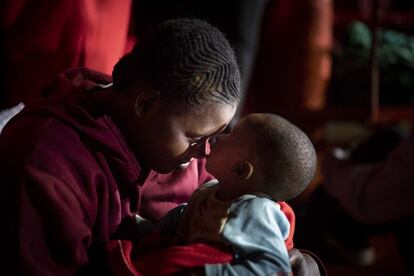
column 256, row 230
column 375, row 193
column 54, row 227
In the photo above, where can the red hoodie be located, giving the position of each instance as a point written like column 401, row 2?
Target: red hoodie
column 68, row 179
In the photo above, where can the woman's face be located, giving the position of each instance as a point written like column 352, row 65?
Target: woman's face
column 169, row 141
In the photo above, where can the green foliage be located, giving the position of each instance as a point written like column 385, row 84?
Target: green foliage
column 395, row 57
column 393, row 47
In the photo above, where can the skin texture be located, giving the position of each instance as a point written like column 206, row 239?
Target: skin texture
column 165, row 140
column 232, row 161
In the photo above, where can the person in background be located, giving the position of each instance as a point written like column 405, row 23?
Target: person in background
column 377, row 193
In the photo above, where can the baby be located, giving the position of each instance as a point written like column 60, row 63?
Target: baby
column 265, row 159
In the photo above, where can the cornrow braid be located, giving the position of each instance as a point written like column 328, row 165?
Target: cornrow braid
column 187, row 60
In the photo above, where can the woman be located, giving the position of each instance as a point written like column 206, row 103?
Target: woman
column 74, row 166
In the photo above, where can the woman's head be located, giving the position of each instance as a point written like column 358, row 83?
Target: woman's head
column 179, row 85
column 188, row 61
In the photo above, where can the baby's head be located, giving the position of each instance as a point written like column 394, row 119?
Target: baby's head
column 264, row 153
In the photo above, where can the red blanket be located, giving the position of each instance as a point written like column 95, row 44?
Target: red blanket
column 152, row 257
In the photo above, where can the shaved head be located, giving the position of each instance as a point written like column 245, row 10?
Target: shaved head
column 286, row 156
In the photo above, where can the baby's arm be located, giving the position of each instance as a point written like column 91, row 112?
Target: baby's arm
column 256, row 230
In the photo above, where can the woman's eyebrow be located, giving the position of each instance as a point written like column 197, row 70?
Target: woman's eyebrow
column 194, row 135
column 221, row 129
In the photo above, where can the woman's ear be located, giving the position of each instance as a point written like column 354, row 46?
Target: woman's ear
column 145, row 101
column 244, row 170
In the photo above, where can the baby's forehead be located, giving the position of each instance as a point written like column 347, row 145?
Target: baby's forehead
column 241, row 128
column 245, row 133
column 249, row 124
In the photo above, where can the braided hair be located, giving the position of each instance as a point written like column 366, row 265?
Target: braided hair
column 188, row 61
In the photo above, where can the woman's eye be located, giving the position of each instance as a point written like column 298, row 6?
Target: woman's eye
column 196, row 142
column 192, row 144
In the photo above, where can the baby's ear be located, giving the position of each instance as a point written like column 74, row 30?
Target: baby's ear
column 244, row 170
